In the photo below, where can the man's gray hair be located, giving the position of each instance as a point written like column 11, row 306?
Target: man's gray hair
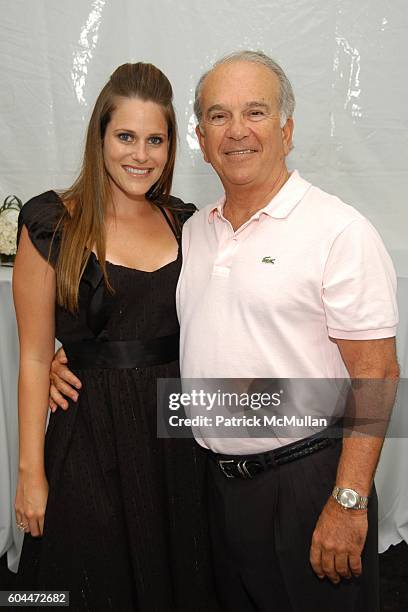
column 286, row 98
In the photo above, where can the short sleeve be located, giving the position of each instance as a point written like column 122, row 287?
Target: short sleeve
column 42, row 216
column 359, row 285
column 181, row 212
column 186, row 212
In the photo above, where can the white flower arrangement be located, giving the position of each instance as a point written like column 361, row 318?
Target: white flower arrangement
column 8, row 235
column 8, row 225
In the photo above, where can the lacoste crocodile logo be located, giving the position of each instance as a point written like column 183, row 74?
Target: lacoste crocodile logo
column 269, row 259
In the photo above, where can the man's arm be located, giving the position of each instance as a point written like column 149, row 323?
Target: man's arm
column 340, row 534
column 63, row 382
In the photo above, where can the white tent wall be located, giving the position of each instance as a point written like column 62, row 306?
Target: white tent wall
column 347, row 61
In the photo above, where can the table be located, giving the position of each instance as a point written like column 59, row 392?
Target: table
column 11, row 539
column 391, row 481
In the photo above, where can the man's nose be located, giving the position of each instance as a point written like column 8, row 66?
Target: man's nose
column 237, row 128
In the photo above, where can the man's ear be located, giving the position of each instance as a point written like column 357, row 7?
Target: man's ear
column 201, row 139
column 287, row 134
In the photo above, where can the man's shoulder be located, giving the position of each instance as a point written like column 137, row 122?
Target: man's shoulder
column 201, row 216
column 331, row 208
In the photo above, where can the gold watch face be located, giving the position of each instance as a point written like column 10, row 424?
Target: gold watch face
column 348, row 498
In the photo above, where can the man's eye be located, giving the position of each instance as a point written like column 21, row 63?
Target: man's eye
column 155, row 140
column 218, row 118
column 125, row 137
column 256, row 114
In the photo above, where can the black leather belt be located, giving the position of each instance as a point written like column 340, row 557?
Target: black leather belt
column 248, row 466
column 122, row 354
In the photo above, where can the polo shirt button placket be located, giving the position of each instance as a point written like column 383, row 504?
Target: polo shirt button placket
column 226, row 252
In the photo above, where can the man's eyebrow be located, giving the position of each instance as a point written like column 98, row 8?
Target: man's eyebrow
column 257, row 104
column 251, row 104
column 215, row 107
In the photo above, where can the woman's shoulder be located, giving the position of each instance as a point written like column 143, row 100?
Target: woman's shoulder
column 181, row 210
column 46, row 208
column 42, row 215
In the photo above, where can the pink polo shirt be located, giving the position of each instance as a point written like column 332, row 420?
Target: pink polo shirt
column 264, row 301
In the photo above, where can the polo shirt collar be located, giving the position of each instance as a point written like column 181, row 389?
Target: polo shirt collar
column 281, row 204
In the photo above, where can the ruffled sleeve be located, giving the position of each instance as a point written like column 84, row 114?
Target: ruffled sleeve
column 42, row 216
column 181, row 212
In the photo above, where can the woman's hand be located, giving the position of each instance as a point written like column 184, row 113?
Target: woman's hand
column 62, row 382
column 31, row 502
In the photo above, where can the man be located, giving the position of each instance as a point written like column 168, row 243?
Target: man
column 281, row 280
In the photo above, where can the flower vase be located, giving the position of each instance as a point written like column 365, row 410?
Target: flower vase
column 8, row 229
column 7, row 260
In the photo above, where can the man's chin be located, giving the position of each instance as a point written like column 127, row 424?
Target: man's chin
column 238, row 178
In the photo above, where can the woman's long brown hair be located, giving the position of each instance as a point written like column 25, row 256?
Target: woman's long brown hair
column 83, row 227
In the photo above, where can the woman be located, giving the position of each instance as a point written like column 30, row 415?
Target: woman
column 119, row 511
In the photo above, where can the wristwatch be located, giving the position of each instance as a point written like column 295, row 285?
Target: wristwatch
column 349, row 499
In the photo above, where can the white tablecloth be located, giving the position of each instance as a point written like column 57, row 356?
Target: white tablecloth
column 391, row 481
column 10, row 538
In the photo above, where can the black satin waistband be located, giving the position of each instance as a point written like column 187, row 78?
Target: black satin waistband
column 122, row 354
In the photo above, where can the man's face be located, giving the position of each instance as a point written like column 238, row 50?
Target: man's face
column 240, row 133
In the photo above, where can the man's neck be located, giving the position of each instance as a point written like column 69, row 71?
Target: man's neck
column 243, row 201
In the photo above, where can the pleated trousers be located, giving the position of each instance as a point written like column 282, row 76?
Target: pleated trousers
column 261, row 531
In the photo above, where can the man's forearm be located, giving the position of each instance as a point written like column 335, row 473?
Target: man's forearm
column 367, row 417
column 374, row 372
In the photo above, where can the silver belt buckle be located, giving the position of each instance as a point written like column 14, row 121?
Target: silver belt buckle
column 243, row 470
column 221, row 463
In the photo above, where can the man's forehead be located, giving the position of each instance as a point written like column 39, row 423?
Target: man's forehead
column 240, row 83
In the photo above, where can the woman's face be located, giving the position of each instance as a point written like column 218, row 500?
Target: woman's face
column 135, row 147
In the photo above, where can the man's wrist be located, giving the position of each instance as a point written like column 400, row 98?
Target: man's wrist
column 349, row 498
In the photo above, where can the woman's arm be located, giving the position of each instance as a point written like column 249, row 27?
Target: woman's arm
column 34, row 299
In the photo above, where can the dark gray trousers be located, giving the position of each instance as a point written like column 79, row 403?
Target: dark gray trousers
column 261, row 530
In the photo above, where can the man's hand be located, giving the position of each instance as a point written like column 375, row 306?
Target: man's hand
column 338, row 541
column 62, row 382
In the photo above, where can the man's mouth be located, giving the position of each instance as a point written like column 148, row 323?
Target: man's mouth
column 240, row 152
column 137, row 171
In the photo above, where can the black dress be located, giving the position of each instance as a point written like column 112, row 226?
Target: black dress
column 125, row 527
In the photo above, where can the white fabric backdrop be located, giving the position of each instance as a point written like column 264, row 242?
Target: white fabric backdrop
column 347, row 61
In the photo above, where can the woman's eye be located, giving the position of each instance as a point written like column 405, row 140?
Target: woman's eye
column 125, row 137
column 155, row 140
